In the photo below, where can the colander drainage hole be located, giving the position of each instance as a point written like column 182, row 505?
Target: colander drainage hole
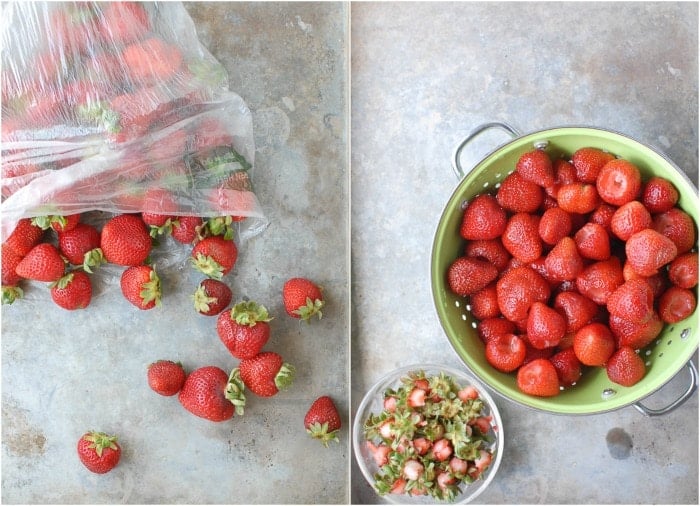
column 685, row 333
column 608, row 393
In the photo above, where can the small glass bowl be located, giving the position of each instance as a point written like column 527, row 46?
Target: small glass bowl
column 372, row 403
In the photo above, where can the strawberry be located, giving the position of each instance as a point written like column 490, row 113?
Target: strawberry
column 466, row 275
column 214, row 256
column 588, row 161
column 518, row 195
column 42, row 263
column 594, row 344
column 567, row 365
column 619, row 181
column 505, row 352
column 266, row 373
column 81, row 246
column 532, row 353
column 545, row 326
column 593, row 242
column 629, row 219
column 72, row 291
column 322, row 420
column 554, row 225
column 578, row 198
column 633, row 300
column 211, row 297
column 683, row 270
column 563, row 262
column 539, row 378
column 140, row 285
column 648, row 250
column 659, row 195
column 536, row 166
column 492, row 327
column 209, row 393
column 600, row 279
column 564, row 173
column 185, row 229
column 159, row 206
column 578, row 310
column 602, row 215
column 521, row 237
column 99, row 452
column 125, row 240
column 11, row 290
column 484, row 218
column 302, row 299
column 517, row 289
column 122, row 22
column 636, row 335
column 625, row 367
column 676, row 304
column 490, row 250
column 166, row 377
column 24, row 237
column 678, row 226
column 57, row 222
column 484, row 303
column 244, row 329
column 152, row 60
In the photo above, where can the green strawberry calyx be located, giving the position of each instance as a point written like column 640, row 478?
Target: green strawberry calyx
column 93, row 258
column 150, row 290
column 234, row 391
column 202, row 301
column 46, row 222
column 320, row 431
column 249, row 313
column 285, row 376
column 220, row 225
column 11, row 294
column 311, row 308
column 208, row 266
column 100, row 441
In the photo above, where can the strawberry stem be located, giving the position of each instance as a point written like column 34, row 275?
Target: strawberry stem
column 285, row 376
column 249, row 313
column 312, row 307
column 234, row 391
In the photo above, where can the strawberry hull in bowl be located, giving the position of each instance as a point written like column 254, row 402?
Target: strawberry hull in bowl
column 427, row 434
column 675, row 340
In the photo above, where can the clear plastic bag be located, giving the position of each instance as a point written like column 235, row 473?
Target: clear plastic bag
column 117, row 107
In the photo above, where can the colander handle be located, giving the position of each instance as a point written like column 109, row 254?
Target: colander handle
column 456, row 164
column 686, row 395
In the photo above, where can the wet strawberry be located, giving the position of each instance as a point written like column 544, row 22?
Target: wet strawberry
column 577, row 309
column 505, row 352
column 539, row 378
column 567, row 365
column 602, row 215
column 619, row 182
column 466, row 276
column 490, row 328
column 484, row 218
column 648, row 250
column 517, row 289
column 588, row 161
column 683, row 271
column 536, row 166
column 518, row 195
column 484, row 303
column 659, row 195
column 490, row 250
column 636, row 335
column 563, row 262
column 678, row 226
column 629, row 219
column 578, row 198
column 625, row 367
column 633, row 300
column 600, row 279
column 594, row 344
column 676, row 304
column 521, row 237
column 555, row 224
column 545, row 326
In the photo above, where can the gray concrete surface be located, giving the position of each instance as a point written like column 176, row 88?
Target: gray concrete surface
column 64, row 373
column 423, row 76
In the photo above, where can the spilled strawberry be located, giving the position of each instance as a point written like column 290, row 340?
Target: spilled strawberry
column 302, row 299
column 322, row 420
column 99, row 452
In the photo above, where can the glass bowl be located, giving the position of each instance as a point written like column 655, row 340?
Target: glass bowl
column 373, row 404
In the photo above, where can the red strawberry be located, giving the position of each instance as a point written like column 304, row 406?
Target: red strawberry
column 322, row 420
column 125, row 240
column 545, row 326
column 538, row 378
column 491, row 250
column 484, row 303
column 517, row 289
column 659, row 195
column 10, row 260
column 593, row 242
column 186, row 228
column 521, row 237
column 57, row 222
column 676, row 304
column 214, row 256
column 683, row 271
column 625, row 367
column 648, row 250
column 72, row 291
column 555, row 224
column 122, row 22
column 536, row 166
column 594, row 344
column 633, row 300
column 152, row 60
column 577, row 309
column 563, row 262
column 140, row 285
column 567, row 365
column 211, row 297
column 578, row 198
column 564, row 172
column 629, row 219
column 484, row 218
column 532, row 353
column 159, row 206
column 636, row 335
column 505, row 352
column 588, row 161
column 678, row 226
column 166, row 377
column 81, row 246
column 24, row 237
column 211, row 394
column 42, row 263
column 492, row 327
column 99, row 452
column 244, row 329
column 302, row 299
column 602, row 215
column 600, row 279
column 619, row 181
column 466, row 275
column 266, row 374
column 518, row 195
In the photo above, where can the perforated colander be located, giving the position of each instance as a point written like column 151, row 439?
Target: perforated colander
column 594, row 392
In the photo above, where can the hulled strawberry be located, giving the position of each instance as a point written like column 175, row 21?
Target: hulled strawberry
column 244, row 329
column 140, row 285
column 209, row 393
column 166, row 377
column 322, row 420
column 42, row 263
column 211, row 297
column 302, row 298
column 466, row 275
column 99, row 452
column 214, row 256
column 125, row 240
column 536, row 166
column 625, row 367
column 266, row 374
column 539, row 378
column 72, row 291
column 484, row 218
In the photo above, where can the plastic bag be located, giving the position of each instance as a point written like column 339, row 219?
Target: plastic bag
column 117, row 107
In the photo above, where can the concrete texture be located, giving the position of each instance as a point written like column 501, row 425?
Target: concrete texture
column 64, row 373
column 423, row 76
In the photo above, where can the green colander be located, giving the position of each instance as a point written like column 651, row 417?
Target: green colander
column 594, row 392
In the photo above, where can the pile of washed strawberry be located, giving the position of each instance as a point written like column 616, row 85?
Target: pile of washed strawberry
column 572, row 264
